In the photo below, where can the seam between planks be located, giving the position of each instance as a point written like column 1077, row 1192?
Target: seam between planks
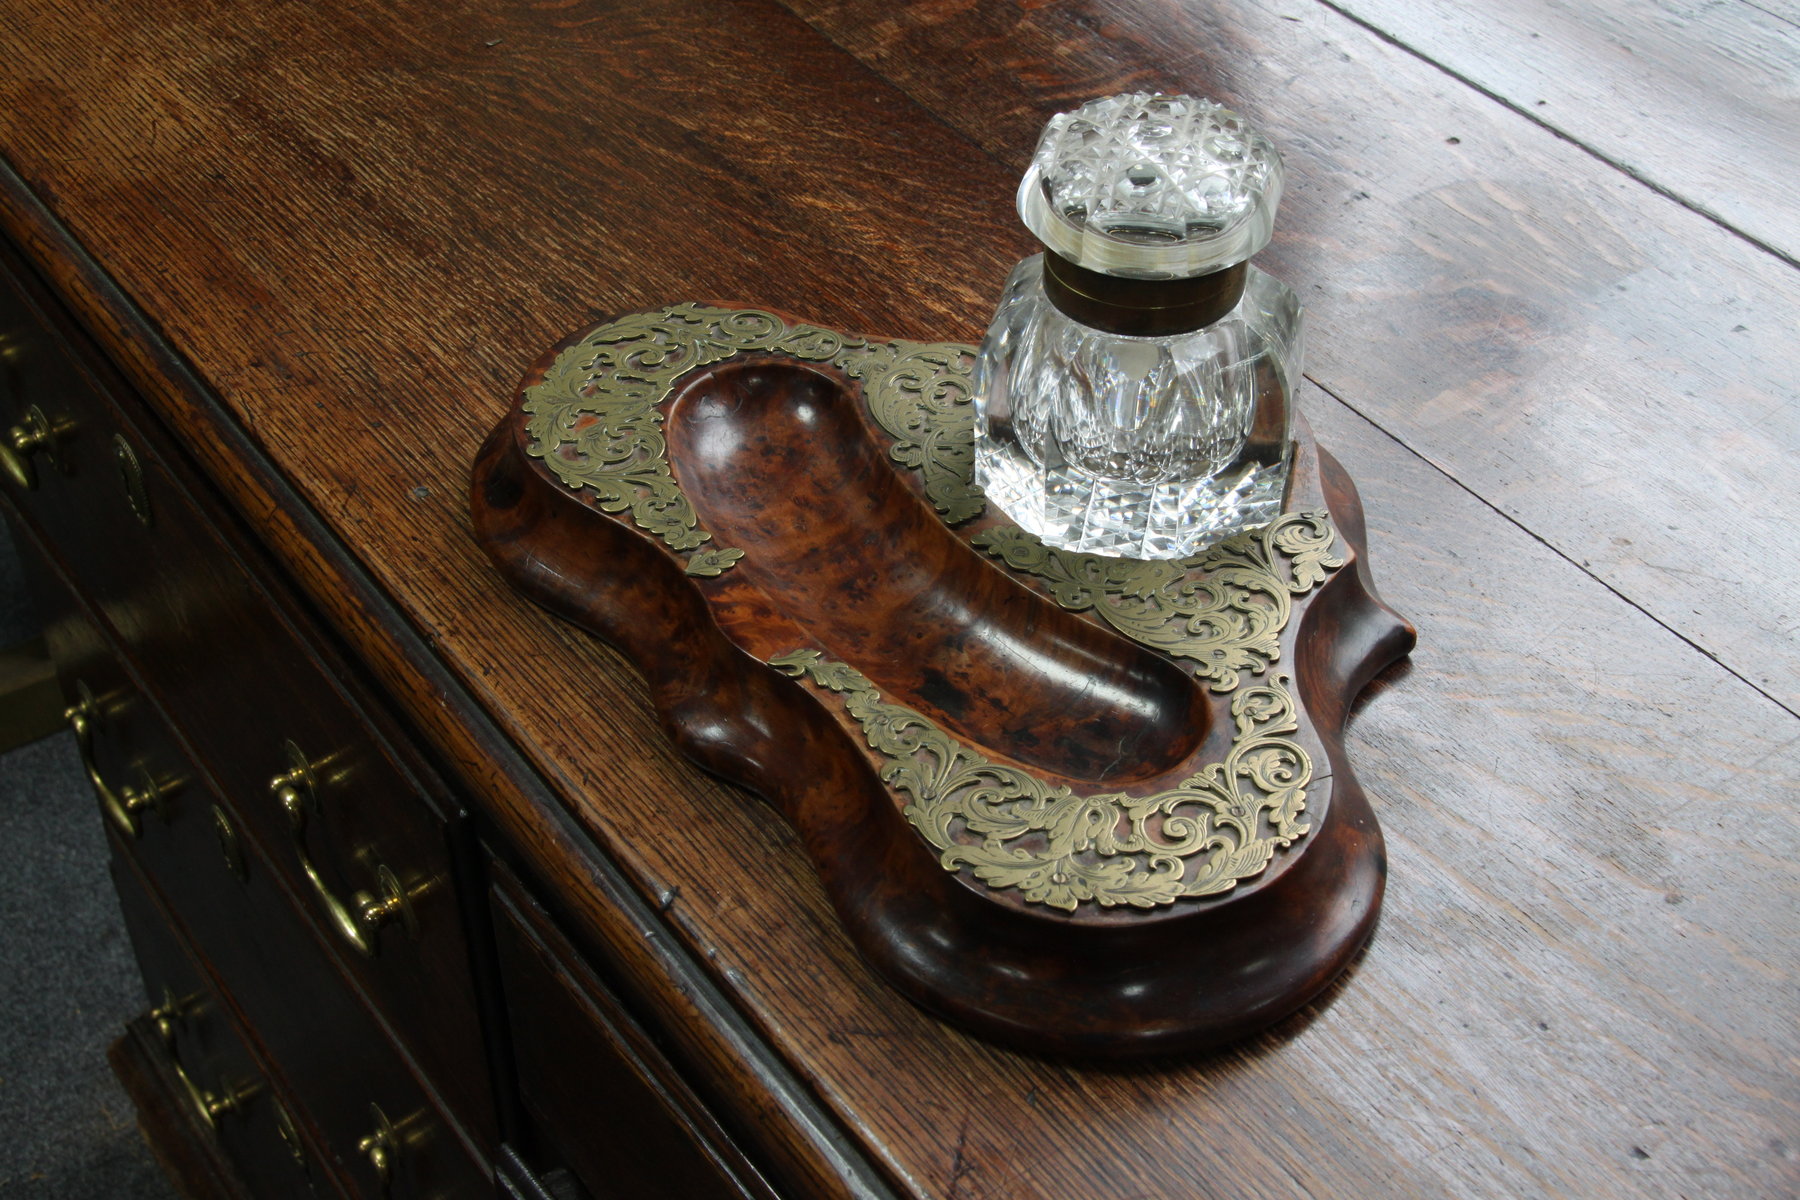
column 1769, row 12
column 1551, row 546
column 1512, row 106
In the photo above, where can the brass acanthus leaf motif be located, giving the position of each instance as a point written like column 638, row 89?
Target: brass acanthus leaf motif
column 1014, row 830
column 921, row 397
column 710, row 562
column 596, row 419
column 1222, row 610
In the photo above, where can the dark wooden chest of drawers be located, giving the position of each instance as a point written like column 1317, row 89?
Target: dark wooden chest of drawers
column 334, row 1005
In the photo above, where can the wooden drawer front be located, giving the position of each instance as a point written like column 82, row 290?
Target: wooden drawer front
column 226, row 1087
column 252, row 702
column 74, row 486
column 334, row 1056
column 218, row 884
column 375, row 884
column 602, row 1097
column 351, row 1084
column 235, row 677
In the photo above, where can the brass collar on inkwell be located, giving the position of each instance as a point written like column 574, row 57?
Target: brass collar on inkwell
column 1141, row 307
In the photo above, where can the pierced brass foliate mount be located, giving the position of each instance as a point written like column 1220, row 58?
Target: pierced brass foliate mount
column 596, row 421
column 1059, row 848
column 357, row 921
column 1223, row 612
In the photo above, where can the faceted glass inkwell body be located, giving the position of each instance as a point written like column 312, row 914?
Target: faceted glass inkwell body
column 1132, row 395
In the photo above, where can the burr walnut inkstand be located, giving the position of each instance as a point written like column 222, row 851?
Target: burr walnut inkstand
column 1082, row 803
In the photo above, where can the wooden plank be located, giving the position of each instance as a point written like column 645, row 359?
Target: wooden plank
column 1593, row 848
column 1598, row 362
column 1698, row 100
column 1568, row 934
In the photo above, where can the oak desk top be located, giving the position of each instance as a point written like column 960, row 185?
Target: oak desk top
column 1549, row 255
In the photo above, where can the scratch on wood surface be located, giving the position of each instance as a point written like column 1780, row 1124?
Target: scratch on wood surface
column 960, row 1167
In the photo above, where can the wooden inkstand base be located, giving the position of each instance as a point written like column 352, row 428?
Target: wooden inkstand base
column 1082, row 806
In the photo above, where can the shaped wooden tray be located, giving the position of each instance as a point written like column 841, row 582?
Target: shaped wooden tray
column 1080, row 805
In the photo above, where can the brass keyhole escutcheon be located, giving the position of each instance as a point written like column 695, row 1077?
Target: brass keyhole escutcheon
column 131, row 476
column 230, row 845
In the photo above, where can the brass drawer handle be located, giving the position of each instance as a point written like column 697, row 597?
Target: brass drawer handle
column 359, row 921
column 18, row 443
column 289, row 1131
column 168, row 1016
column 209, row 1105
column 123, row 805
column 383, row 1146
column 380, row 1148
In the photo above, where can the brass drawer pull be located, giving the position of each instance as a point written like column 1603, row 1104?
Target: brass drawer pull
column 359, row 921
column 168, row 1016
column 123, row 805
column 383, row 1146
column 18, row 443
column 380, row 1148
column 209, row 1105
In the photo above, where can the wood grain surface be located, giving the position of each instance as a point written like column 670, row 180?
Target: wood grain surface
column 1566, row 396
column 1699, row 101
column 1599, row 362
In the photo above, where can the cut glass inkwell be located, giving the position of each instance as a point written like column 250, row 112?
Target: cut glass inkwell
column 1133, row 392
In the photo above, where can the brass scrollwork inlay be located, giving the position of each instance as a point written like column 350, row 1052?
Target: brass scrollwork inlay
column 1014, row 830
column 921, row 397
column 1222, row 610
column 596, row 419
column 711, row 561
